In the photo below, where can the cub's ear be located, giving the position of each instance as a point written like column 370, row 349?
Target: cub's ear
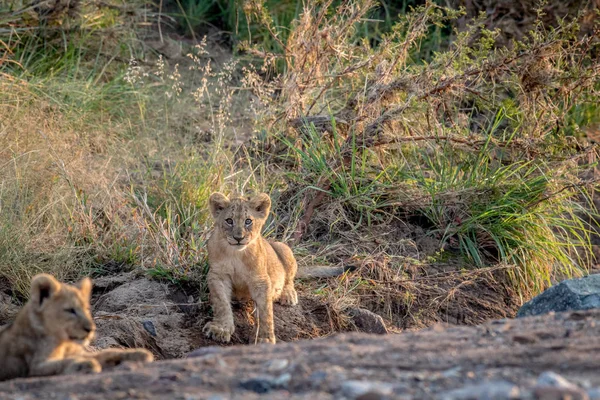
column 217, row 203
column 261, row 204
column 85, row 287
column 43, row 287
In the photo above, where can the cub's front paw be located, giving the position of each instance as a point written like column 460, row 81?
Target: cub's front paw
column 270, row 339
column 288, row 297
column 219, row 332
column 88, row 366
column 138, row 355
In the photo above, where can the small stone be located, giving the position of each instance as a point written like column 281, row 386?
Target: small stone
column 571, row 294
column 372, row 396
column 257, row 385
column 559, row 393
column 550, row 378
column 524, row 339
column 367, row 321
column 317, row 377
column 594, row 393
column 149, row 327
column 282, row 380
column 452, row 372
column 203, row 351
column 494, row 390
column 276, row 365
column 266, row 384
column 357, row 389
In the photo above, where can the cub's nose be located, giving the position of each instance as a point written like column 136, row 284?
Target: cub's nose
column 238, row 238
column 89, row 327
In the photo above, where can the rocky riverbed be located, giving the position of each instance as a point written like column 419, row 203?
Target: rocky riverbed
column 553, row 356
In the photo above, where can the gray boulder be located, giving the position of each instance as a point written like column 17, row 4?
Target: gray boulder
column 572, row 294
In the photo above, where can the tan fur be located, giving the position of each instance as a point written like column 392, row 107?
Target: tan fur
column 49, row 334
column 245, row 265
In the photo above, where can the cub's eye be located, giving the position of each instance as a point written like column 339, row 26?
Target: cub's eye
column 229, row 221
column 71, row 311
column 248, row 222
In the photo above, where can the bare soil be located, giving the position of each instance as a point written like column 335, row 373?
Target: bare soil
column 505, row 354
column 132, row 310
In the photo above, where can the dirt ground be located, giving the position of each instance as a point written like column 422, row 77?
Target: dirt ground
column 133, row 311
column 500, row 359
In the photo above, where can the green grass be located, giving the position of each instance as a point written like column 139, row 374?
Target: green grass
column 96, row 170
column 525, row 215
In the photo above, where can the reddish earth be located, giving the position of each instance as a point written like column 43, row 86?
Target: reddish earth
column 499, row 359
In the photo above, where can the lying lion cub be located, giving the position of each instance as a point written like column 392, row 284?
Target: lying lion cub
column 50, row 332
column 244, row 264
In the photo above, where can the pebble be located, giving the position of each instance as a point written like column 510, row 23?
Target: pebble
column 559, row 393
column 276, row 365
column 493, row 390
column 149, row 327
column 257, row 385
column 550, row 378
column 203, row 351
column 552, row 386
column 282, row 380
column 359, row 389
column 266, row 384
column 594, row 393
column 452, row 372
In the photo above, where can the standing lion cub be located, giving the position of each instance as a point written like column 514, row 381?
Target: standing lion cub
column 246, row 265
column 49, row 334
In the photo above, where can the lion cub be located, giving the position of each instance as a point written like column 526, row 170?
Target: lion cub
column 49, row 334
column 246, row 265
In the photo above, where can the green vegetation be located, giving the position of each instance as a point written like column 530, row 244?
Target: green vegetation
column 362, row 132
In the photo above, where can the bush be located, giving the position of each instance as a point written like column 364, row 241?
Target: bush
column 476, row 136
column 355, row 135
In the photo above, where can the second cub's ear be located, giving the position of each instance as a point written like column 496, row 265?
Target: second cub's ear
column 85, row 286
column 217, row 203
column 261, row 205
column 43, row 287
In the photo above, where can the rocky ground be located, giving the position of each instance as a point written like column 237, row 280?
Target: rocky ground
column 554, row 356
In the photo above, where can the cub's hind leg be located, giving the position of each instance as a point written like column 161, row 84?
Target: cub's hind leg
column 288, row 297
column 112, row 357
column 65, row 366
column 261, row 293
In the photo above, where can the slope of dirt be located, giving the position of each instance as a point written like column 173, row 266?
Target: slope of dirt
column 507, row 358
column 133, row 311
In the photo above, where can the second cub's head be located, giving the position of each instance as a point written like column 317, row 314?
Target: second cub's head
column 61, row 311
column 239, row 220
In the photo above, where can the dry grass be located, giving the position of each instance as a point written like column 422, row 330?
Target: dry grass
column 449, row 186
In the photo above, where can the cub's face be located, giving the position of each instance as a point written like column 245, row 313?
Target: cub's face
column 239, row 221
column 63, row 311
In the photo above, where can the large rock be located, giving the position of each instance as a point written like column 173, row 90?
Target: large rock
column 453, row 362
column 572, row 294
column 367, row 321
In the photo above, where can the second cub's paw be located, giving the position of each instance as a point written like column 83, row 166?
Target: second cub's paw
column 288, row 297
column 137, row 355
column 88, row 366
column 219, row 332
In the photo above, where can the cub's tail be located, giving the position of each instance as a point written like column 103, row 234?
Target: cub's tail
column 322, row 271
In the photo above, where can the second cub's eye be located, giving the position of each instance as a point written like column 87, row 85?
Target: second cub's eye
column 248, row 221
column 229, row 221
column 71, row 311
